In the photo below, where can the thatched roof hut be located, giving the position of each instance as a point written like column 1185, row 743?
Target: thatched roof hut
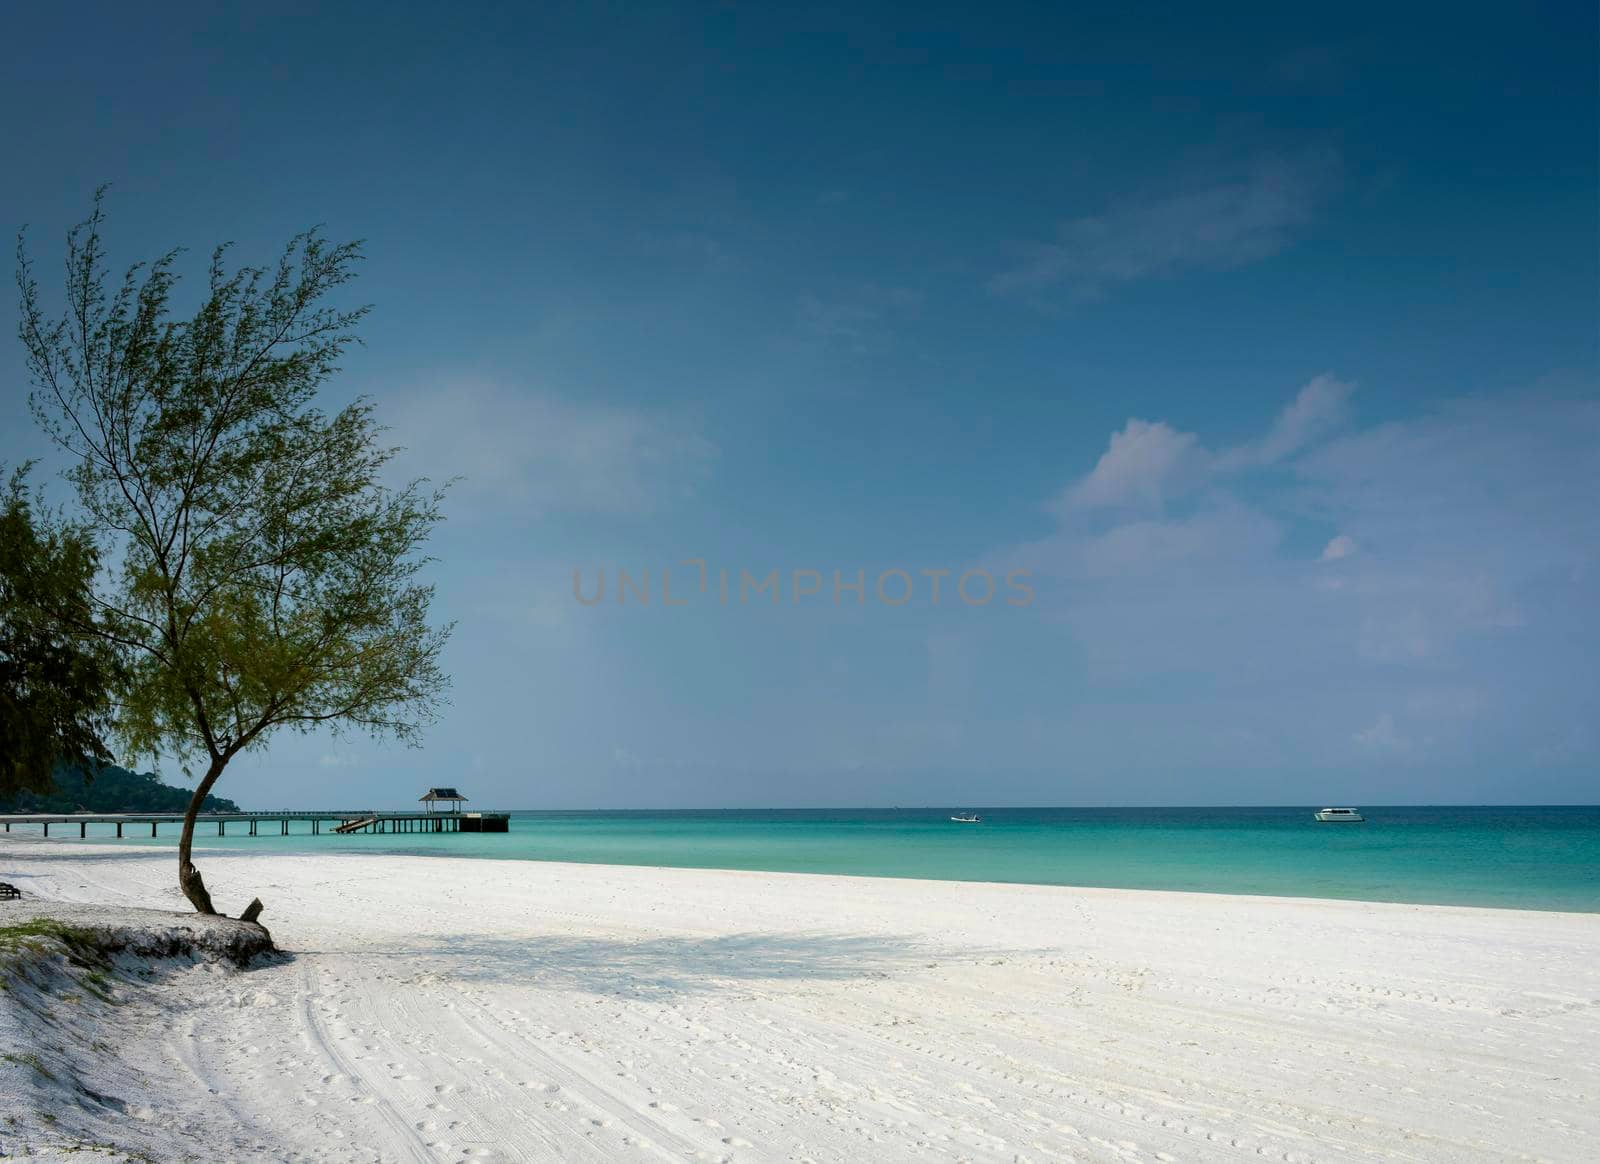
column 434, row 796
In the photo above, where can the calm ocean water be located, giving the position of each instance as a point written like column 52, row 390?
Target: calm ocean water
column 1525, row 858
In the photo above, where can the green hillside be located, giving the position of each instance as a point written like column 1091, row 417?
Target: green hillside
column 113, row 789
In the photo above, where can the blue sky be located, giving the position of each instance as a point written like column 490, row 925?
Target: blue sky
column 1264, row 341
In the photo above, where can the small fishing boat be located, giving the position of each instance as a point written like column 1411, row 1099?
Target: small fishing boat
column 1339, row 815
column 967, row 818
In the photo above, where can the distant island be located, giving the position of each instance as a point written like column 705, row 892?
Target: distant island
column 112, row 789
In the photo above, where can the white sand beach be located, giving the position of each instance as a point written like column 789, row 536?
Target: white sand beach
column 447, row 1009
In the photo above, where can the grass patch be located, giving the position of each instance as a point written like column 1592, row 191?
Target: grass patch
column 98, row 983
column 30, row 1060
column 34, row 936
column 106, row 1149
column 83, row 949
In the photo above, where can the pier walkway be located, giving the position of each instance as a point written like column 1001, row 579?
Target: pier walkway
column 365, row 821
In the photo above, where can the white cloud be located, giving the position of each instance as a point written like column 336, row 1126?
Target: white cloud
column 1461, row 509
column 1339, row 547
column 1227, row 221
column 1317, row 410
column 1224, row 532
column 1148, row 463
column 1319, row 407
column 1462, row 590
column 1143, row 463
column 540, row 453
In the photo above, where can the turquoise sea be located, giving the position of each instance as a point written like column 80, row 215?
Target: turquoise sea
column 1518, row 857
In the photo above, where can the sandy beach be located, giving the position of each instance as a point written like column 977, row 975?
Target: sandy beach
column 448, row 1009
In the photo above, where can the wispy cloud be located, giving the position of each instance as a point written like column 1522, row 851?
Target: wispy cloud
column 1222, row 531
column 1147, row 463
column 1445, row 563
column 1341, row 546
column 1316, row 411
column 860, row 319
column 1141, row 466
column 1227, row 221
column 541, row 453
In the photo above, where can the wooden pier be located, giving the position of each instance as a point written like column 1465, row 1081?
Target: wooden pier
column 277, row 823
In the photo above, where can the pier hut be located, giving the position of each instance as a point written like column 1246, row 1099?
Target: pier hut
column 437, row 796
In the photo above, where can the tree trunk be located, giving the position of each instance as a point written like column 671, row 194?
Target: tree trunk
column 189, row 879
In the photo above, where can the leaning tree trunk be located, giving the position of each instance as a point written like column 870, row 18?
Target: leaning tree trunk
column 189, row 880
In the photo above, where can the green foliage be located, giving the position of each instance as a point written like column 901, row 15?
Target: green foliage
column 265, row 575
column 30, row 1060
column 81, row 946
column 109, row 788
column 41, row 927
column 54, row 679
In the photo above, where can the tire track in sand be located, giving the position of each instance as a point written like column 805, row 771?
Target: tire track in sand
column 647, row 1133
column 406, row 1139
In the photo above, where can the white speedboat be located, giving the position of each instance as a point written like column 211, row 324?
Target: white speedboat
column 1339, row 815
column 967, row 818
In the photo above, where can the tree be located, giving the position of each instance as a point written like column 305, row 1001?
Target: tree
column 265, row 576
column 54, row 683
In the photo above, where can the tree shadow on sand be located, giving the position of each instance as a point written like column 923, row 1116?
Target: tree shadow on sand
column 655, row 967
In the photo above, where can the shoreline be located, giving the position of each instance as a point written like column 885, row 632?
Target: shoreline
column 146, row 846
column 457, row 1008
